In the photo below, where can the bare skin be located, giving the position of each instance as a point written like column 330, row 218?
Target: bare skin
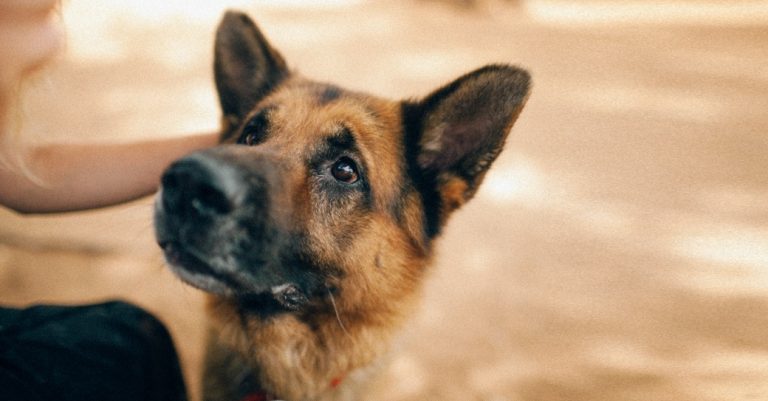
column 85, row 176
column 30, row 35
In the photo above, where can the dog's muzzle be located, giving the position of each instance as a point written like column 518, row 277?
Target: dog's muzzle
column 215, row 223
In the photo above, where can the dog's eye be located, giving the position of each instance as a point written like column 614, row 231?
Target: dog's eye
column 254, row 131
column 249, row 139
column 345, row 170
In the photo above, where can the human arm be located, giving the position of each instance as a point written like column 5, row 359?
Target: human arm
column 70, row 177
column 30, row 34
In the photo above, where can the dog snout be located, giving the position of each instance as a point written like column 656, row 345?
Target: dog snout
column 193, row 188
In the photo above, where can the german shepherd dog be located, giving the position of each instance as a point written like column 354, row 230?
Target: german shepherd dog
column 313, row 224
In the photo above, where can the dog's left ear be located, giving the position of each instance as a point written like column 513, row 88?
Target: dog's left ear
column 458, row 131
column 246, row 66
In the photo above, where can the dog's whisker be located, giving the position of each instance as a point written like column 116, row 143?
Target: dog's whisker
column 327, row 188
column 336, row 311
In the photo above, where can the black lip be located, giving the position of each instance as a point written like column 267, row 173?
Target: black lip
column 180, row 258
column 264, row 303
column 176, row 255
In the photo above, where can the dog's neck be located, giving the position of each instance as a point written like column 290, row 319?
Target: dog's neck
column 324, row 348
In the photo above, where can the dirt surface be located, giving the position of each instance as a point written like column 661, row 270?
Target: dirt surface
column 619, row 248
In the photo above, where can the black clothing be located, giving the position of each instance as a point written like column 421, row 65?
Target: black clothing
column 105, row 352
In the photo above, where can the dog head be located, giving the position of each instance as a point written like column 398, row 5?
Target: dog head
column 316, row 190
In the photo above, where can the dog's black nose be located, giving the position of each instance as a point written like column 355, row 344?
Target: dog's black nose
column 193, row 188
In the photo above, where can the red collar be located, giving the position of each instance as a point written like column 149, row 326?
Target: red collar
column 337, row 380
column 264, row 396
column 260, row 396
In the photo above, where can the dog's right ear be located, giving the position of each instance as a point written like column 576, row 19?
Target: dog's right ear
column 246, row 67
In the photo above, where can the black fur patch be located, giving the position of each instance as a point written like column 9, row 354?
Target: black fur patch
column 256, row 130
column 329, row 94
column 246, row 67
column 425, row 183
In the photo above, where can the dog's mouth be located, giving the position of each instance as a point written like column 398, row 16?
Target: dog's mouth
column 194, row 271
column 176, row 256
column 218, row 233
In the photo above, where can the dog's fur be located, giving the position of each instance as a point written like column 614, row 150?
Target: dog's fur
column 313, row 224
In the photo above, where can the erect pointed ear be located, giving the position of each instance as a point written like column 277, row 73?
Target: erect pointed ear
column 458, row 131
column 246, row 67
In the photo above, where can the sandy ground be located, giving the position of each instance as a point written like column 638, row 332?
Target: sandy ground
column 618, row 251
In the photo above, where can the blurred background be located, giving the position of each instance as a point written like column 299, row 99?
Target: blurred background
column 617, row 251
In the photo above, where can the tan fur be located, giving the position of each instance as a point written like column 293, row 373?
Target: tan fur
column 365, row 245
column 383, row 268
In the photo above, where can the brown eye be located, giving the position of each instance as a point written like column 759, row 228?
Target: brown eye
column 345, row 170
column 255, row 131
column 249, row 139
